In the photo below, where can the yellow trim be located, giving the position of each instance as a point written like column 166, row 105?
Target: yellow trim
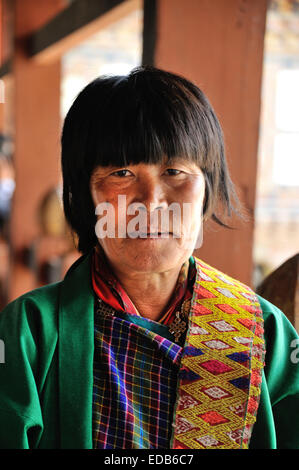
column 217, row 415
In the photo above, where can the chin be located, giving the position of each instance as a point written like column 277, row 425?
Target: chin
column 153, row 258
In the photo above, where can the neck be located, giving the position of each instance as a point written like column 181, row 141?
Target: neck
column 149, row 292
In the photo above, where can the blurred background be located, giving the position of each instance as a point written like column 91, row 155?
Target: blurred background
column 244, row 54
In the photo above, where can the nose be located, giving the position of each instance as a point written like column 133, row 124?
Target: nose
column 151, row 195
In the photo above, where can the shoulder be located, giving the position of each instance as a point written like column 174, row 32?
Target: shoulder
column 280, row 333
column 217, row 274
column 32, row 314
column 270, row 311
column 229, row 286
column 45, row 296
column 282, row 354
column 275, row 321
column 38, row 310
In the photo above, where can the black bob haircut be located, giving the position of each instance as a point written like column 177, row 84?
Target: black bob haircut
column 144, row 116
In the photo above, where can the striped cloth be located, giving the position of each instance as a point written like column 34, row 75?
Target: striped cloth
column 135, row 381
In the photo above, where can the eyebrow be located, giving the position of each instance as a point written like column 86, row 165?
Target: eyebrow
column 168, row 161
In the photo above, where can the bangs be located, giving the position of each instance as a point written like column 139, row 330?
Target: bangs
column 144, row 119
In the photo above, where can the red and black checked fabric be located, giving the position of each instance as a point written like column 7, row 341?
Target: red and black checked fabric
column 135, row 369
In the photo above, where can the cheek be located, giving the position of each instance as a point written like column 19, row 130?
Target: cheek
column 103, row 194
column 103, row 198
column 193, row 193
column 192, row 205
column 197, row 189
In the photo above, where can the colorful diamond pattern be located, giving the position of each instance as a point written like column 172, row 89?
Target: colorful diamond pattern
column 216, row 393
column 216, row 367
column 216, row 344
column 219, row 393
column 213, row 418
column 208, row 441
column 222, row 325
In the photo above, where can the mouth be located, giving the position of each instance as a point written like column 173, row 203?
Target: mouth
column 152, row 235
column 156, row 234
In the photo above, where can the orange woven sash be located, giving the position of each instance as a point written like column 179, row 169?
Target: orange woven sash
column 221, row 370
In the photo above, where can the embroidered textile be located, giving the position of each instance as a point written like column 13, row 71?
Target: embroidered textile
column 219, row 374
column 221, row 368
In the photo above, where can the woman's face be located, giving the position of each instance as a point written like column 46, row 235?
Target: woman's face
column 149, row 216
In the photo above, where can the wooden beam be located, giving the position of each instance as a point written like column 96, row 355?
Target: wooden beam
column 149, row 32
column 7, row 32
column 1, row 31
column 75, row 24
column 31, row 15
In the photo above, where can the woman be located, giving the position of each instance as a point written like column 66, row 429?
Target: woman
column 142, row 345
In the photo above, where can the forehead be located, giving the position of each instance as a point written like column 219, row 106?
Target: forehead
column 166, row 161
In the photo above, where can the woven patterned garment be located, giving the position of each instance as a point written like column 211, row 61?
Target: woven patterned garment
column 221, row 368
column 219, row 372
column 135, row 379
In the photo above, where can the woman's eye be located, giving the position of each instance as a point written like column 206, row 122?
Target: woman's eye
column 173, row 171
column 121, row 173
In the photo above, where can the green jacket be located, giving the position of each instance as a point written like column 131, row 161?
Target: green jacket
column 46, row 379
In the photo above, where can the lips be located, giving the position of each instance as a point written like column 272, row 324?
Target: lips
column 155, row 234
column 151, row 234
column 159, row 233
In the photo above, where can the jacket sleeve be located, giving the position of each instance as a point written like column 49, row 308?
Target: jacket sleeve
column 282, row 375
column 26, row 355
column 18, row 432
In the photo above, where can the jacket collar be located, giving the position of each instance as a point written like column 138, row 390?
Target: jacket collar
column 76, row 322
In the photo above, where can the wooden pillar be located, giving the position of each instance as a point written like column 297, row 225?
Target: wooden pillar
column 36, row 114
column 1, row 61
column 1, row 30
column 5, row 168
column 6, row 12
column 219, row 45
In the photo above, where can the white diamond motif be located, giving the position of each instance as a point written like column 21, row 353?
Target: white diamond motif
column 207, row 441
column 226, row 292
column 216, row 392
column 216, row 344
column 183, row 425
column 186, row 401
column 222, row 325
column 222, row 278
column 197, row 330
